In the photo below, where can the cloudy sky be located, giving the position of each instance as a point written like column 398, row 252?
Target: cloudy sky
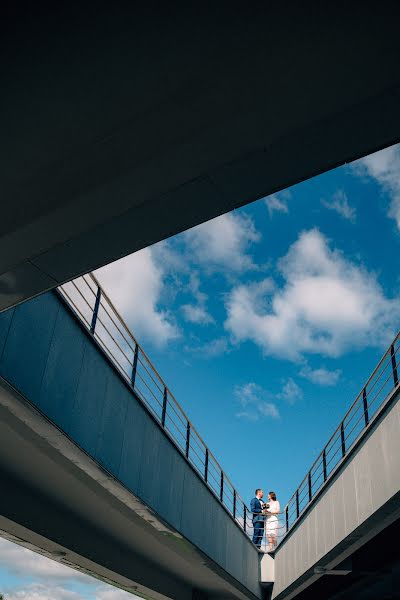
column 265, row 323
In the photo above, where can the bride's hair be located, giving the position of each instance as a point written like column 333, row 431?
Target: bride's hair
column 273, row 495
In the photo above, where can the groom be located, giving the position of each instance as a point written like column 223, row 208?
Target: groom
column 257, row 506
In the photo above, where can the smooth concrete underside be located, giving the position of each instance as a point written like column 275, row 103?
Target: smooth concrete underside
column 56, row 500
column 121, row 127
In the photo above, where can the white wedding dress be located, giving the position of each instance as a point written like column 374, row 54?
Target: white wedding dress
column 272, row 524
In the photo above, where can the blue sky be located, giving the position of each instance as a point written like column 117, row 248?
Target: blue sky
column 264, row 323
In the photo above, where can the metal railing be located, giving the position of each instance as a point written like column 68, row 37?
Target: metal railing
column 96, row 311
column 93, row 307
column 380, row 386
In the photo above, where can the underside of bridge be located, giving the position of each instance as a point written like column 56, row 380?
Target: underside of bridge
column 374, row 572
column 123, row 126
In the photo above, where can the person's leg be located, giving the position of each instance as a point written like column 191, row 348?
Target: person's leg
column 255, row 532
column 258, row 533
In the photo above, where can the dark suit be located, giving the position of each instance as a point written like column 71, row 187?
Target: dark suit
column 258, row 521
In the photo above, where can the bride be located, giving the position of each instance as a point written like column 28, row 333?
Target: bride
column 271, row 525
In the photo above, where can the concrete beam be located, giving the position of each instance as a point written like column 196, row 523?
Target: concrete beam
column 124, row 127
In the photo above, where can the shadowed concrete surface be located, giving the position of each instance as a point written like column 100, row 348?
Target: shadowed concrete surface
column 92, row 479
column 123, row 126
column 351, row 526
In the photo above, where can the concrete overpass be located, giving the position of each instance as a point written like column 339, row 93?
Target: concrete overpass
column 344, row 545
column 93, row 477
column 123, row 126
column 104, row 471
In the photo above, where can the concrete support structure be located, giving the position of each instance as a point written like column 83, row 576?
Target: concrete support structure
column 123, row 126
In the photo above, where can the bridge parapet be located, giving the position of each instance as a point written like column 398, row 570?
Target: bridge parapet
column 358, row 498
column 59, row 365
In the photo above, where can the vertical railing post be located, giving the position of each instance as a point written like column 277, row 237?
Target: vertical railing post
column 324, row 464
column 95, row 310
column 287, row 518
column 221, row 489
column 342, row 439
column 234, row 504
column 244, row 518
column 365, row 405
column 309, row 487
column 394, row 365
column 297, row 504
column 134, row 366
column 187, row 439
column 164, row 406
column 206, row 467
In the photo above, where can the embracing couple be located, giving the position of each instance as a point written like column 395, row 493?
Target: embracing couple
column 265, row 516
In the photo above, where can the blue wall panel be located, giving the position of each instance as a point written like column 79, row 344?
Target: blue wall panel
column 86, row 416
column 61, row 376
column 162, row 475
column 171, row 477
column 5, row 322
column 28, row 343
column 131, row 456
column 109, row 445
column 199, row 514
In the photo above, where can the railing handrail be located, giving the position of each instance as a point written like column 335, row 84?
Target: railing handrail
column 349, row 411
column 162, row 382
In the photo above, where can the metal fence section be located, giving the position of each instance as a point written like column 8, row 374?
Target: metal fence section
column 96, row 311
column 381, row 384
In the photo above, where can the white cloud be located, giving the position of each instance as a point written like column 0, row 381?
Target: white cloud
column 223, row 243
column 52, row 580
column 40, row 591
column 197, row 313
column 109, row 593
column 384, row 167
column 210, row 349
column 321, row 376
column 340, row 204
column 22, row 561
column 254, row 406
column 327, row 305
column 135, row 285
column 291, row 392
column 276, row 204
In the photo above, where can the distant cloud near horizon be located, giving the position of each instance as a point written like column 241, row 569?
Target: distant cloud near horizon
column 41, row 578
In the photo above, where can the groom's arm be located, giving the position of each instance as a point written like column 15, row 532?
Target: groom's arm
column 254, row 508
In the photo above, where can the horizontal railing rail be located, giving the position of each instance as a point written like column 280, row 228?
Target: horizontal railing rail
column 382, row 383
column 88, row 300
